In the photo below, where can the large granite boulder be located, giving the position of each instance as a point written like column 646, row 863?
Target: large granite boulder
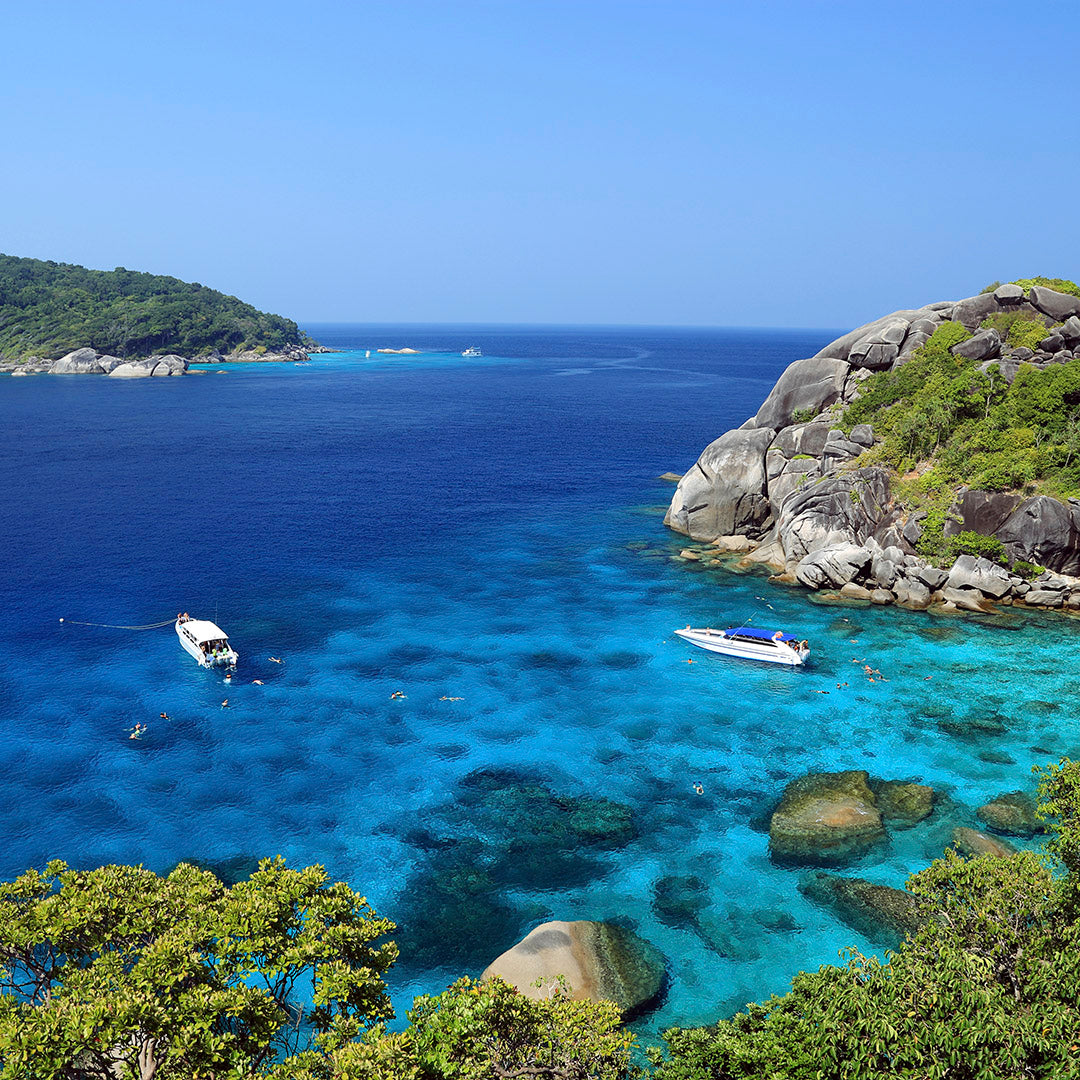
column 1009, row 294
column 878, row 911
column 848, row 508
column 1012, row 813
column 600, row 961
column 969, row 572
column 974, row 309
column 78, row 362
column 169, row 365
column 1046, row 532
column 1059, row 306
column 726, row 491
column 804, row 385
column 133, row 369
column 834, row 565
column 985, row 345
column 825, row 818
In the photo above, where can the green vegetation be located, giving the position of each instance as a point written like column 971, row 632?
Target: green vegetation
column 987, row 989
column 47, row 309
column 1062, row 285
column 119, row 974
column 944, row 423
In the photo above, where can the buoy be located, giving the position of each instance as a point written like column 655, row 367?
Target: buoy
column 61, row 620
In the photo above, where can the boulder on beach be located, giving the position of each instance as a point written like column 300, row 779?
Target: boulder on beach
column 825, row 818
column 599, row 960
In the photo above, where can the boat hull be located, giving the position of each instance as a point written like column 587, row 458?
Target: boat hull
column 767, row 652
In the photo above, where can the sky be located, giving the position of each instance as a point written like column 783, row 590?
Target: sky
column 759, row 163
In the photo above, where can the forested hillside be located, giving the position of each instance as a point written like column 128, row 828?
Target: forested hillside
column 48, row 308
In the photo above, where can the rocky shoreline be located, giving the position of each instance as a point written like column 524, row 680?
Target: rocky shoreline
column 784, row 491
column 88, row 361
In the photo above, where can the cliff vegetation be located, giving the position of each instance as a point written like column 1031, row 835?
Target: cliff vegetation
column 48, row 309
column 944, row 420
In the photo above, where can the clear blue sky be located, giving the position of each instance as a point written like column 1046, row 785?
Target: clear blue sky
column 752, row 163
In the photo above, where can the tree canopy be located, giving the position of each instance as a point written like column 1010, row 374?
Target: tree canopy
column 120, row 974
column 48, row 308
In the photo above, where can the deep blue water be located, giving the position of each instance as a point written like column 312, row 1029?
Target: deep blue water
column 485, row 530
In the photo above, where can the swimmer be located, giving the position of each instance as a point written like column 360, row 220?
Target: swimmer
column 689, row 661
column 257, row 682
column 137, row 731
column 225, row 703
column 445, row 698
column 699, row 789
column 228, row 676
column 397, row 695
column 275, row 660
column 164, row 715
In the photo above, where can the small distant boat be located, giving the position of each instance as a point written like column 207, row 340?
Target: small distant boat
column 367, row 354
column 472, row 350
column 772, row 646
column 205, row 641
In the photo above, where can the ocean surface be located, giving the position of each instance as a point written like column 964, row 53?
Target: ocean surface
column 484, row 538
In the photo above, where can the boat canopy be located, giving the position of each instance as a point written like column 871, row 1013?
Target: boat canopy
column 761, row 635
column 204, row 631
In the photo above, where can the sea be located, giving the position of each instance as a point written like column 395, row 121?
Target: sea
column 453, row 596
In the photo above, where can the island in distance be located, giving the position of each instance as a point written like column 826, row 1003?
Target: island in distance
column 66, row 319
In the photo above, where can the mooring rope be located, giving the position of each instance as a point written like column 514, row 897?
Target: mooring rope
column 115, row 626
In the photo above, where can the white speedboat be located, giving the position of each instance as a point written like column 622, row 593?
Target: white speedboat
column 772, row 646
column 472, row 350
column 205, row 641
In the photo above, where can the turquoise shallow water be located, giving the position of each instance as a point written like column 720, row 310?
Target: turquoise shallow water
column 489, row 532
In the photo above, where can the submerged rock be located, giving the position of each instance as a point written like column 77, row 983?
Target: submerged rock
column 878, row 911
column 825, row 818
column 600, row 961
column 1013, row 814
column 973, row 842
column 904, row 801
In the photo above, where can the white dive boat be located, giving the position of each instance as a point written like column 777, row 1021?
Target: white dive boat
column 472, row 350
column 772, row 646
column 206, row 641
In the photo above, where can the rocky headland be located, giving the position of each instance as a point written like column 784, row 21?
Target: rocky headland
column 812, row 498
column 88, row 361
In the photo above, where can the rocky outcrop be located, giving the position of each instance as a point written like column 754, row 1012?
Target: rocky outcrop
column 825, row 818
column 599, row 961
column 797, row 494
column 725, row 492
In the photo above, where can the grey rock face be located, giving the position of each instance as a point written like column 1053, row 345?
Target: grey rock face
column 1009, row 294
column 802, row 439
column 982, row 575
column 78, row 362
column 725, row 492
column 973, row 310
column 834, row 565
column 1044, row 531
column 834, row 510
column 806, row 384
column 169, row 365
column 133, row 369
column 980, row 511
column 931, row 576
column 1070, row 330
column 1057, row 305
column 983, row 346
column 863, row 434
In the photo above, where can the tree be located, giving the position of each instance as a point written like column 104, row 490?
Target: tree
column 987, row 989
column 119, row 973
